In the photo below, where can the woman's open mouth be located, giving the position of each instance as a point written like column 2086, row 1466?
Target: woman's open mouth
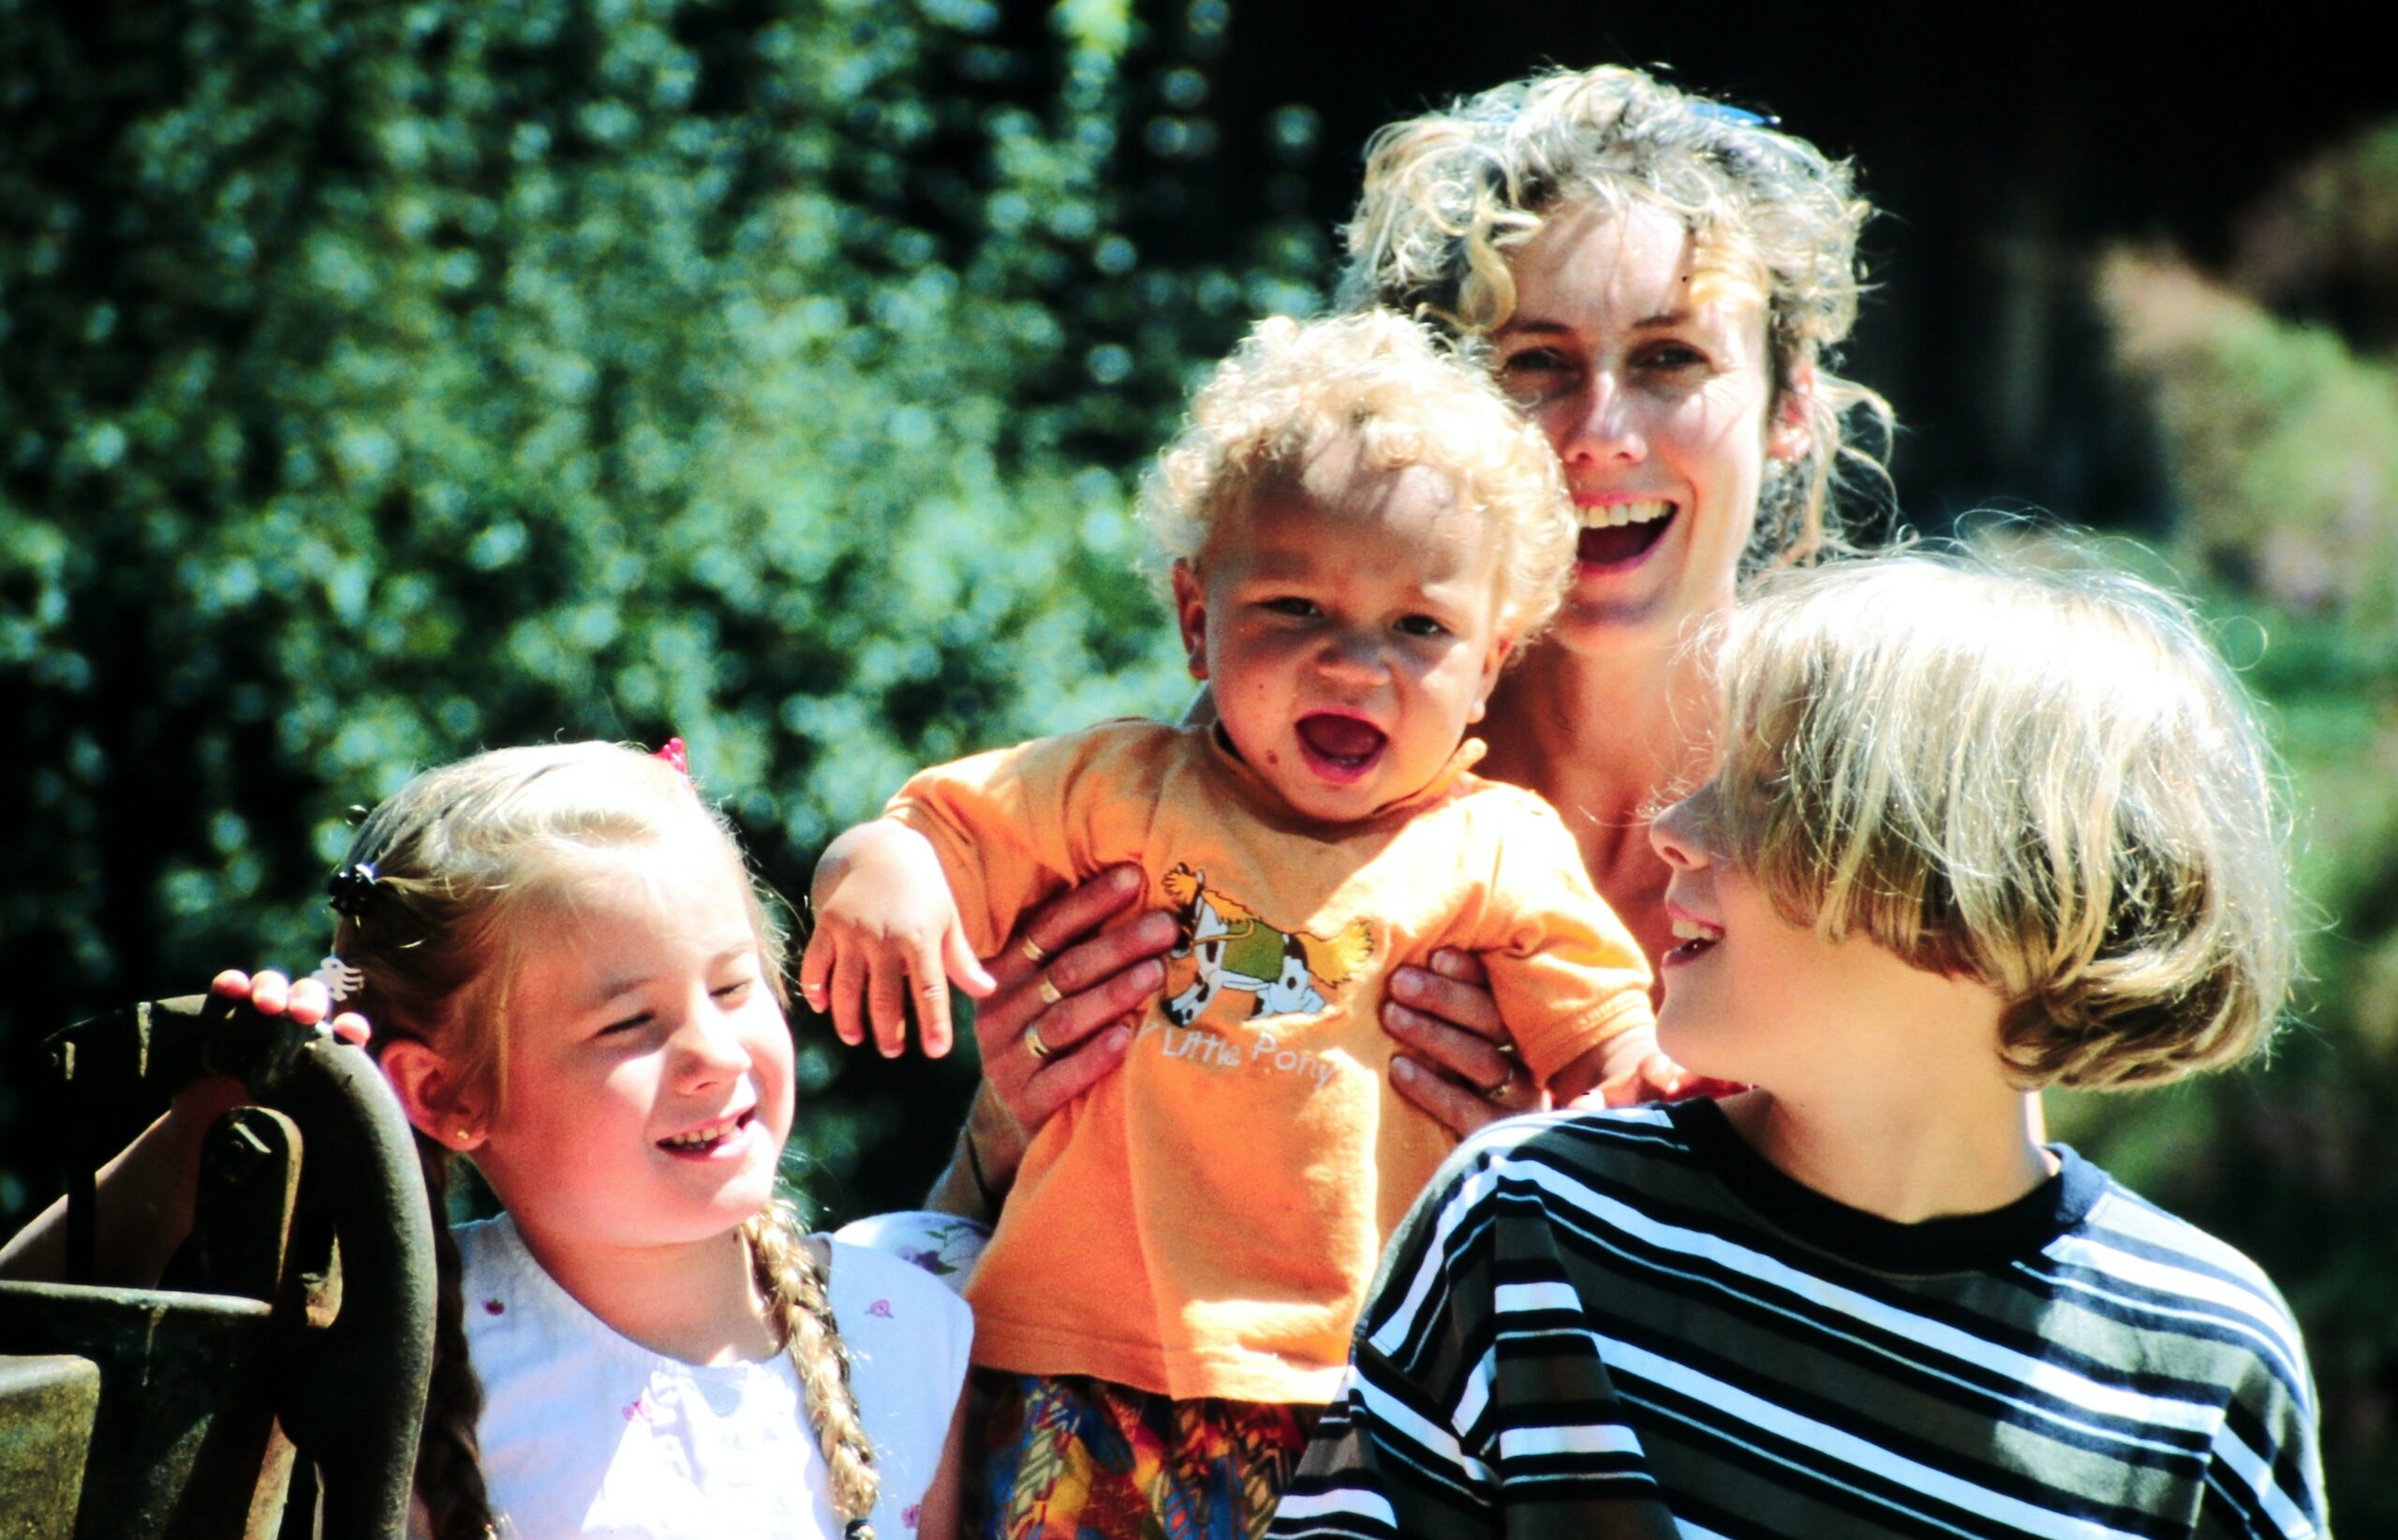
column 1619, row 535
column 1339, row 748
column 708, row 1138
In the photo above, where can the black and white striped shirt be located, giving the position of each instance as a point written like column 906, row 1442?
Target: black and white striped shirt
column 1630, row 1324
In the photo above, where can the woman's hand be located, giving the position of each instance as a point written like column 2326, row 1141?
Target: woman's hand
column 1052, row 1026
column 1458, row 1065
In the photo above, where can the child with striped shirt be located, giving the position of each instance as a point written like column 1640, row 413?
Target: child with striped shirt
column 1977, row 827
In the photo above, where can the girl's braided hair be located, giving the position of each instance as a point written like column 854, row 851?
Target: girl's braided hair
column 432, row 895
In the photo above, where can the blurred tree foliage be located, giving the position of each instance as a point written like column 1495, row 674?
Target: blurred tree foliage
column 2275, row 396
column 382, row 381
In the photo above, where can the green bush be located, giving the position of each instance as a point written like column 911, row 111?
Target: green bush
column 379, row 382
column 2279, row 433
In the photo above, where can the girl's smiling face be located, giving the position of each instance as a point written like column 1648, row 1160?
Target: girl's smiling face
column 1649, row 374
column 647, row 1082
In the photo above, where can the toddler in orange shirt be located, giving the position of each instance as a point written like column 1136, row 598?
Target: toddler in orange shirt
column 1362, row 531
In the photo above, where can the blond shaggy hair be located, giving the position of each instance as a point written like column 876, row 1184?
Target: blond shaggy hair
column 1448, row 194
column 2026, row 769
column 1404, row 398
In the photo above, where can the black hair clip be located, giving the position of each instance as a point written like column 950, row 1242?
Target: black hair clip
column 351, row 888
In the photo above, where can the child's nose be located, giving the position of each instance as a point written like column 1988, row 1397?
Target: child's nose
column 1351, row 655
column 708, row 1047
column 1673, row 833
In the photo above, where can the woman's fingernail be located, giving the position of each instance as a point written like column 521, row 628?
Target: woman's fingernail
column 1122, row 879
column 1404, row 1069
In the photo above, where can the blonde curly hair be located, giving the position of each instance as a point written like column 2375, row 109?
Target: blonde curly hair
column 2023, row 767
column 1404, row 397
column 1449, row 194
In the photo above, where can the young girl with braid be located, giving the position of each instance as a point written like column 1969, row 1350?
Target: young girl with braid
column 572, row 984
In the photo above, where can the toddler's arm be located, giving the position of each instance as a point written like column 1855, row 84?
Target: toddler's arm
column 887, row 931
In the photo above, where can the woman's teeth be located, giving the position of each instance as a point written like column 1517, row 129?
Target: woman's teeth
column 1697, row 930
column 1610, row 516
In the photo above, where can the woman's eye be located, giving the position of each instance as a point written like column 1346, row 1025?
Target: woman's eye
column 1534, row 371
column 1673, row 357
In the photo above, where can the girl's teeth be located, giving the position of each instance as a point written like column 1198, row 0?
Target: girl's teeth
column 1608, row 515
column 698, row 1138
column 1691, row 930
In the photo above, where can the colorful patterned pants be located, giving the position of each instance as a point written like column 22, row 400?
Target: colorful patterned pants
column 1068, row 1458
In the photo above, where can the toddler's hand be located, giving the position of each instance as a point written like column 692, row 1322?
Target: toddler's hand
column 887, row 930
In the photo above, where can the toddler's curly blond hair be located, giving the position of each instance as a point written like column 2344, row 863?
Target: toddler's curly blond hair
column 1404, row 398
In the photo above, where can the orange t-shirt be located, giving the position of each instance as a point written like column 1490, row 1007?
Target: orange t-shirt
column 1206, row 1222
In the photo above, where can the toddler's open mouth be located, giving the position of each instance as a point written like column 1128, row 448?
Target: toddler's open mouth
column 708, row 1138
column 1340, row 747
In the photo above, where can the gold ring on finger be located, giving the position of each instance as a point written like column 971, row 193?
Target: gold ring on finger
column 1033, row 1046
column 1033, row 950
column 1049, row 995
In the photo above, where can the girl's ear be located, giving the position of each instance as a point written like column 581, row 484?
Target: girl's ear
column 432, row 1095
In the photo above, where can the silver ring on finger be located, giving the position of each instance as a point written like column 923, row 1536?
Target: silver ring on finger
column 1033, row 1046
column 1498, row 1093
